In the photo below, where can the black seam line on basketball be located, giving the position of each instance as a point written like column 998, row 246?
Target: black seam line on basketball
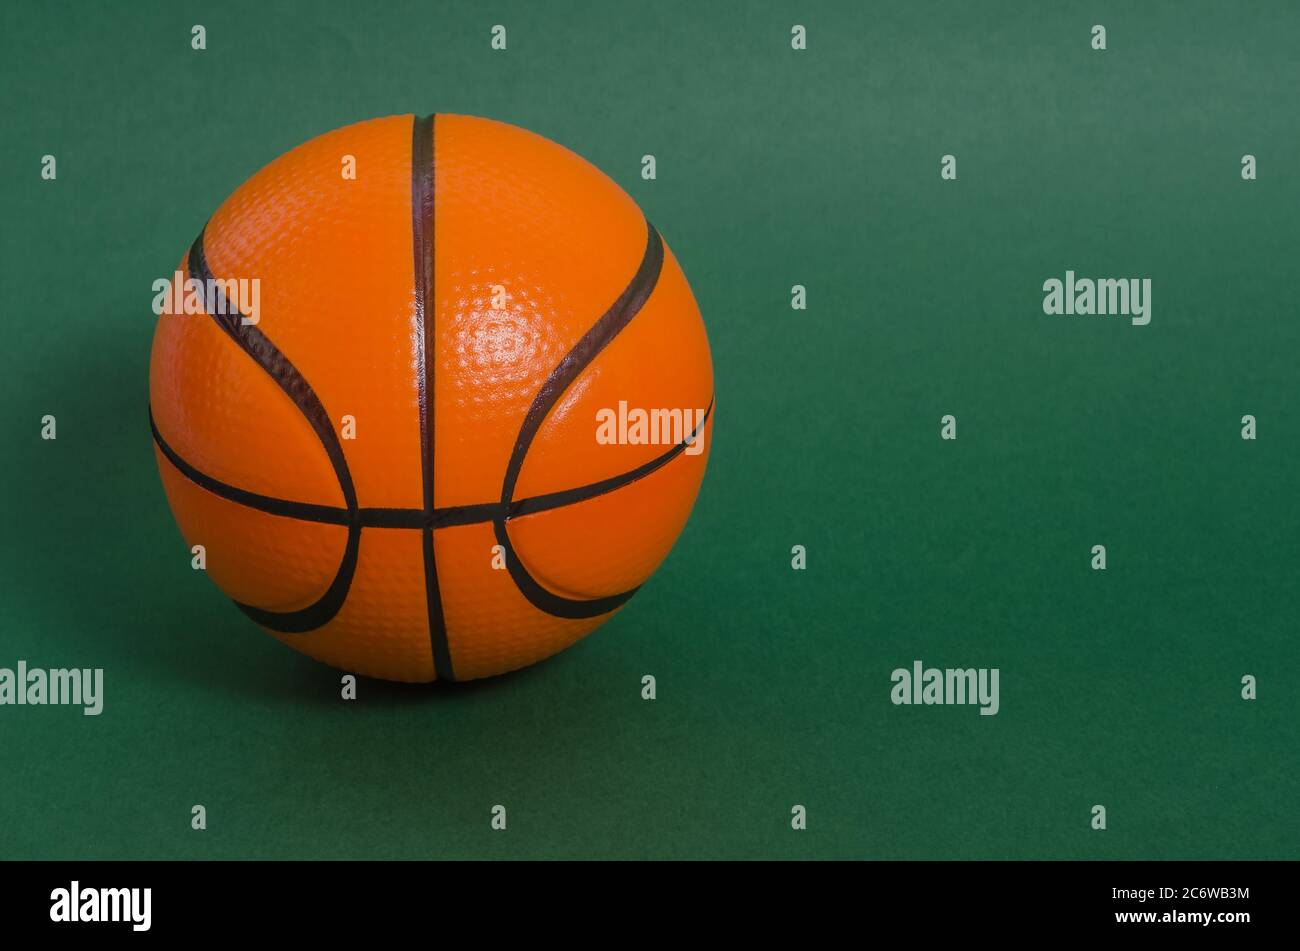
column 446, row 517
column 426, row 357
column 626, row 306
column 268, row 356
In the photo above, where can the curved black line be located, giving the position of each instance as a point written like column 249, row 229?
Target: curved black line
column 426, row 357
column 620, row 313
column 554, row 500
column 446, row 517
column 305, row 511
column 268, row 356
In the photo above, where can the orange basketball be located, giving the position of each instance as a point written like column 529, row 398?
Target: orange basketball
column 432, row 395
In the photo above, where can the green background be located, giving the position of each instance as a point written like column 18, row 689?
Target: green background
column 775, row 167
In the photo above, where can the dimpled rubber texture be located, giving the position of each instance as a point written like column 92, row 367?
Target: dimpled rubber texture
column 513, row 212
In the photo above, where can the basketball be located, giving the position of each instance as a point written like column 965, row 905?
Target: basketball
column 430, row 397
